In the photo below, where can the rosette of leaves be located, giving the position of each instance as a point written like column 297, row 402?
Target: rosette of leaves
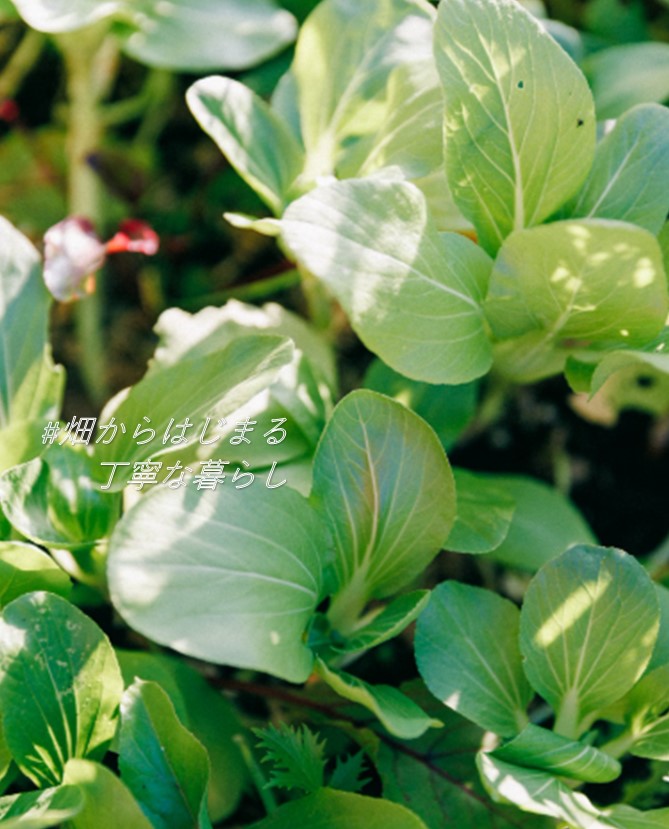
column 588, row 641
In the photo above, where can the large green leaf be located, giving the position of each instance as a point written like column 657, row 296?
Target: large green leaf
column 589, row 280
column 539, row 748
column 54, row 501
column 627, row 178
column 520, row 122
column 623, row 76
column 399, row 714
column 30, row 386
column 215, row 384
column 543, row 525
column 25, row 568
column 161, row 762
column 39, row 810
column 588, row 627
column 60, row 685
column 254, row 139
column 485, row 512
column 413, row 295
column 108, row 803
column 343, row 59
column 330, row 809
column 467, row 653
column 385, row 487
column 227, row 575
column 207, row 714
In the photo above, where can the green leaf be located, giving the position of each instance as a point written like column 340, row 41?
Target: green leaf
column 330, row 809
column 60, row 685
column 588, row 627
column 30, row 386
column 397, row 713
column 544, row 523
column 436, row 776
column 590, row 280
column 623, row 76
column 343, row 59
column 200, row 35
column 391, row 621
column 214, row 384
column 39, row 810
column 373, row 244
column 296, row 755
column 542, row 794
column 25, row 568
column 631, row 164
column 186, row 567
column 625, row 817
column 208, row 715
column 538, row 748
column 161, row 762
column 520, row 122
column 108, row 803
column 448, row 409
column 254, row 139
column 654, row 742
column 349, row 773
column 64, row 15
column 467, row 652
column 54, row 501
column 485, row 512
column 385, row 488
column 661, row 651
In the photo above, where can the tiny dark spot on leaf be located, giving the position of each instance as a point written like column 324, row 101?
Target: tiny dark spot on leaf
column 521, row 84
column 580, row 122
column 643, row 381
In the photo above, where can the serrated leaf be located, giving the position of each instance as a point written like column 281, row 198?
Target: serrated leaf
column 330, row 809
column 538, row 748
column 485, row 512
column 349, row 773
column 385, row 488
column 25, row 568
column 60, row 685
column 187, row 568
column 254, row 139
column 161, row 762
column 296, row 756
column 588, row 280
column 374, row 245
column 631, row 163
column 467, row 652
column 41, row 809
column 397, row 713
column 588, row 627
column 543, row 525
column 520, row 122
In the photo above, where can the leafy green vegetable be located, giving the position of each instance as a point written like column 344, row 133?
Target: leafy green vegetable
column 60, row 685
column 485, row 513
column 296, row 755
column 25, row 568
column 41, row 809
column 520, row 121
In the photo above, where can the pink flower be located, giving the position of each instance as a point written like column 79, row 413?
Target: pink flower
column 73, row 253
